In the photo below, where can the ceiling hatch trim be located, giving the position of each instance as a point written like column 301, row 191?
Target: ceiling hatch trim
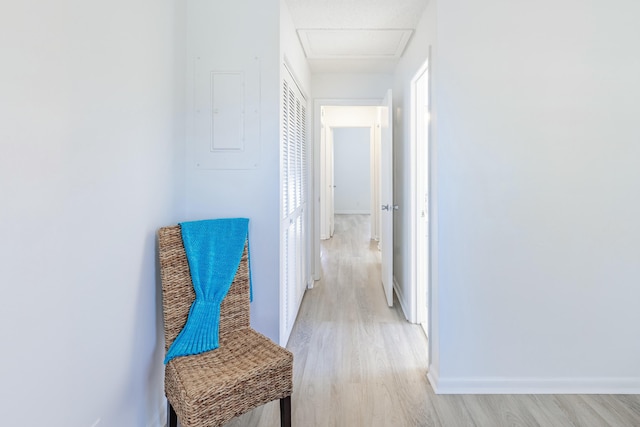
column 354, row 43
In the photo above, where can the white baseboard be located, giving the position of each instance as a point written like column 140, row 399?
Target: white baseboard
column 495, row 385
column 432, row 377
column 398, row 292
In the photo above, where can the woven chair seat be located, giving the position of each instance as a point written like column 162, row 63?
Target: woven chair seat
column 246, row 370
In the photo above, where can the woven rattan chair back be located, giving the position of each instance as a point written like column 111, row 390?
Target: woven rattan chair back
column 178, row 294
column 247, row 369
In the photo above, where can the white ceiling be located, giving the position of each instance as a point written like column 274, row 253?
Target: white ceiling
column 355, row 35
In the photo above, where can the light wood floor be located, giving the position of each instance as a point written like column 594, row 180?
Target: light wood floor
column 359, row 363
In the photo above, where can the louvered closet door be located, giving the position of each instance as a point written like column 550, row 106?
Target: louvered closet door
column 294, row 223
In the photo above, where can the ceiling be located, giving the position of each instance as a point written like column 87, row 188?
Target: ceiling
column 355, row 35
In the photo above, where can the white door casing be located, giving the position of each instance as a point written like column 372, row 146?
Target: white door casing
column 420, row 132
column 375, row 180
column 323, row 184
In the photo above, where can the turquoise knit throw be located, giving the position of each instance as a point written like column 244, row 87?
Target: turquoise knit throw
column 214, row 249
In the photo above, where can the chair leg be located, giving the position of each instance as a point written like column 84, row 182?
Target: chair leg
column 285, row 412
column 172, row 418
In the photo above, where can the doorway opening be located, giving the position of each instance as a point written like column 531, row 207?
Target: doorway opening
column 368, row 118
column 349, row 131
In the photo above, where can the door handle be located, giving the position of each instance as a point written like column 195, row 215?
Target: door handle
column 390, row 207
column 385, row 207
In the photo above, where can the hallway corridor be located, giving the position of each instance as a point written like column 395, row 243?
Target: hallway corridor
column 357, row 362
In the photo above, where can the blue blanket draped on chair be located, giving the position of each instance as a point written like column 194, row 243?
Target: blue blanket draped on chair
column 214, row 249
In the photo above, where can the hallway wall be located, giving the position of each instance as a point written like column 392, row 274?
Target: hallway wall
column 251, row 192
column 352, row 158
column 538, row 170
column 350, row 86
column 91, row 164
column 257, row 37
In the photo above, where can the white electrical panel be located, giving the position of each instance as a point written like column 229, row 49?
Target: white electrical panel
column 226, row 115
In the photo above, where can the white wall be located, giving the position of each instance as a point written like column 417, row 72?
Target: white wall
column 351, row 160
column 249, row 29
column 538, row 179
column 349, row 116
column 91, row 164
column 292, row 53
column 352, row 86
column 252, row 193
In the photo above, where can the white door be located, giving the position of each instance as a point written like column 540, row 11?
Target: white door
column 332, row 185
column 293, row 225
column 422, row 186
column 386, row 195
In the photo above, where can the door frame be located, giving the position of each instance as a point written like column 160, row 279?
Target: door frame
column 318, row 103
column 418, row 175
column 420, row 291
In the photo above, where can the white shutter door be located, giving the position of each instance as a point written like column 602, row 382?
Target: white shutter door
column 294, row 180
column 284, row 150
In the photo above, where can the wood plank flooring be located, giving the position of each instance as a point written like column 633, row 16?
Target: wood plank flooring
column 359, row 363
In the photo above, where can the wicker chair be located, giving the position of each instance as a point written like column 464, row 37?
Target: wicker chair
column 247, row 369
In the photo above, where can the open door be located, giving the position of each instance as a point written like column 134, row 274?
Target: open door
column 386, row 195
column 420, row 151
column 331, row 208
